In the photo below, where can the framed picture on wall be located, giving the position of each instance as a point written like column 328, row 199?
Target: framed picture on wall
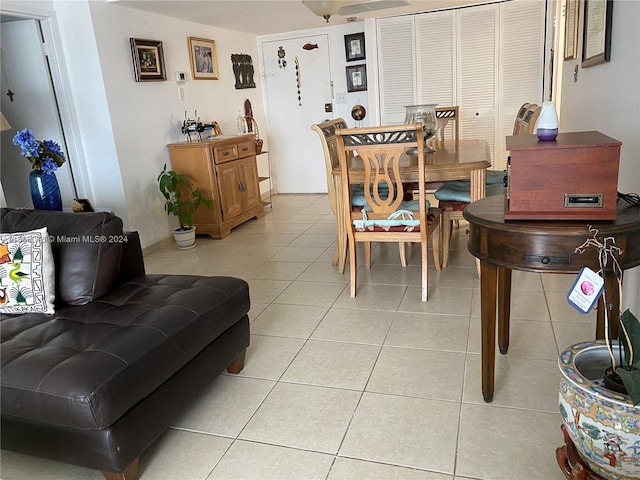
column 596, row 39
column 354, row 46
column 148, row 60
column 356, row 78
column 204, row 62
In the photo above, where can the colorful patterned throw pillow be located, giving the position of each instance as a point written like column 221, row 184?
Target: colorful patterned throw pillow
column 27, row 272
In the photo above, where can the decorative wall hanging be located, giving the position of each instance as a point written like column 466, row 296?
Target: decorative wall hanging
column 281, row 54
column 570, row 29
column 596, row 43
column 204, row 62
column 298, row 81
column 356, row 78
column 243, row 70
column 310, row 46
column 358, row 112
column 354, row 47
column 148, row 60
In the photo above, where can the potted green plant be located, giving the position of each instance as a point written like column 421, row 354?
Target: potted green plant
column 182, row 201
column 600, row 390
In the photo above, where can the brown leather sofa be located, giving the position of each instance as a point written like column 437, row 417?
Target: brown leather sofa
column 98, row 381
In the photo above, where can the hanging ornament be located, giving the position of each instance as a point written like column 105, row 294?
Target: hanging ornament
column 281, row 54
column 298, row 81
column 358, row 112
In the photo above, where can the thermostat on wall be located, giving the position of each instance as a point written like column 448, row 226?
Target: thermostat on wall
column 181, row 77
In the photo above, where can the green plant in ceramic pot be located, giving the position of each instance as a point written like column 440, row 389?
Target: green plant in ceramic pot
column 599, row 393
column 182, row 201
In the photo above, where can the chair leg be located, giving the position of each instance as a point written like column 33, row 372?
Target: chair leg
column 352, row 265
column 425, row 270
column 445, row 229
column 403, row 253
column 436, row 246
column 336, row 255
column 367, row 254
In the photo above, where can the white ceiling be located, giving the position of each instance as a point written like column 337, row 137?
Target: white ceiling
column 264, row 17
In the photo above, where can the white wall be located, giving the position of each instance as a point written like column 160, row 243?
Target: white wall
column 125, row 125
column 148, row 115
column 606, row 98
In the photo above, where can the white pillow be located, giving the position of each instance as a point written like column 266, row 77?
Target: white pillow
column 27, row 272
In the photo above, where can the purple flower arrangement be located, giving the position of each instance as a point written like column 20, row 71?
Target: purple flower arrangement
column 45, row 155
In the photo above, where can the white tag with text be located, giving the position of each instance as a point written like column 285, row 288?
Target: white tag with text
column 585, row 290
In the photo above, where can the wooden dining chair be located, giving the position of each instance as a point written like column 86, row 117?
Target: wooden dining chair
column 390, row 218
column 526, row 119
column 327, row 133
column 447, row 121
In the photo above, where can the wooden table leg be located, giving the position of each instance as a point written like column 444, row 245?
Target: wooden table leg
column 504, row 308
column 488, row 282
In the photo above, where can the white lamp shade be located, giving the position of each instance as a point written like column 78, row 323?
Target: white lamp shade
column 548, row 116
column 323, row 7
column 4, row 125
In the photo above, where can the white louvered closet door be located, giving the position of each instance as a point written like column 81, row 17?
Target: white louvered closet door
column 477, row 73
column 487, row 59
column 435, row 50
column 521, row 75
column 397, row 68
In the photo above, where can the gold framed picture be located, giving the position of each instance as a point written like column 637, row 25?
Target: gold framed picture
column 204, row 62
column 148, row 60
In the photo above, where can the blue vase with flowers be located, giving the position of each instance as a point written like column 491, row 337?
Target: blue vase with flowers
column 45, row 157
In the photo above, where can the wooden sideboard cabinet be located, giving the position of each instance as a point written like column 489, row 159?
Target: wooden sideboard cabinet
column 225, row 169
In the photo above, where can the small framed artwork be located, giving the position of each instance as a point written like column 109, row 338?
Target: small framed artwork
column 148, row 60
column 596, row 41
column 354, row 47
column 204, row 62
column 571, row 29
column 356, row 78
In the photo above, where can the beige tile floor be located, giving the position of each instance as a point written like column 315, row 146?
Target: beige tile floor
column 381, row 386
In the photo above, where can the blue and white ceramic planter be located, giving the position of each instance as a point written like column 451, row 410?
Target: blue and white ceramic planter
column 603, row 425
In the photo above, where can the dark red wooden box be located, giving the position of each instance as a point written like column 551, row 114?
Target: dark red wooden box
column 574, row 177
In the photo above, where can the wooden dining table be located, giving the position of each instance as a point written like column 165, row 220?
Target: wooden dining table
column 452, row 160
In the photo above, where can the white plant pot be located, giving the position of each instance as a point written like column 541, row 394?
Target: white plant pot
column 185, row 239
column 603, row 425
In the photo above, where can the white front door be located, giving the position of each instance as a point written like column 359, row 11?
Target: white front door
column 296, row 99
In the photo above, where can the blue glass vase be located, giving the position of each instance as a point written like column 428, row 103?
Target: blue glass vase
column 45, row 191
